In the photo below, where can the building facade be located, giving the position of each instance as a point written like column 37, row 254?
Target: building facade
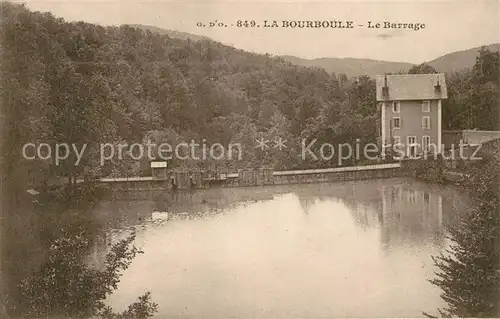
column 411, row 111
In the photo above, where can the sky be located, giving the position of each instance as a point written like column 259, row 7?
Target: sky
column 450, row 25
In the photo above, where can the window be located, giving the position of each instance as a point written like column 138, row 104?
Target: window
column 396, row 107
column 426, row 122
column 396, row 122
column 426, row 141
column 426, row 106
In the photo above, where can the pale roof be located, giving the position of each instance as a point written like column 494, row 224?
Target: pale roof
column 412, row 87
column 158, row 164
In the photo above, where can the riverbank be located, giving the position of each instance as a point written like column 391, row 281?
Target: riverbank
column 439, row 171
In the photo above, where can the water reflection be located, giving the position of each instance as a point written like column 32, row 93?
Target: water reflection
column 410, row 214
column 357, row 249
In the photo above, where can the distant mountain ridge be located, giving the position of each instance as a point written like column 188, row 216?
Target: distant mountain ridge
column 352, row 66
column 457, row 61
column 448, row 63
column 452, row 62
column 170, row 33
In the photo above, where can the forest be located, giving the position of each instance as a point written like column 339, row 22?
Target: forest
column 80, row 83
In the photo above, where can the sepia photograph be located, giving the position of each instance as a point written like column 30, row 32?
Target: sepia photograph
column 249, row 159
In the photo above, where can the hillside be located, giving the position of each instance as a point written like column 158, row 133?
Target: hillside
column 147, row 86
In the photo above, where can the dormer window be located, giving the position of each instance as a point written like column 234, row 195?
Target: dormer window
column 426, row 106
column 396, row 107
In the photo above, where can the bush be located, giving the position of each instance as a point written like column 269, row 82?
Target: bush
column 66, row 287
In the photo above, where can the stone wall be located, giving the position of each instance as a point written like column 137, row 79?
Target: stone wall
column 431, row 170
column 328, row 177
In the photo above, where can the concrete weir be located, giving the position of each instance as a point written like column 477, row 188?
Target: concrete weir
column 197, row 179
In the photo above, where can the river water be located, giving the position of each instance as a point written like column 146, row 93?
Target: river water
column 356, row 249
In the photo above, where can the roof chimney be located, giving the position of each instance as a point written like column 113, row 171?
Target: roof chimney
column 437, row 87
column 385, row 88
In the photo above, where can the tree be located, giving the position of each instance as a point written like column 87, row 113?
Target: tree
column 67, row 287
column 423, row 68
column 457, row 108
column 486, row 68
column 473, row 95
column 468, row 273
column 485, row 91
column 362, row 96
